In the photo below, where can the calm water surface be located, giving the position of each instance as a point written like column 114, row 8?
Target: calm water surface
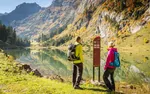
column 54, row 62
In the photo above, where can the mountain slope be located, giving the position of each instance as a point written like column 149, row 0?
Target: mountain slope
column 1, row 14
column 22, row 11
column 112, row 20
column 59, row 14
column 65, row 19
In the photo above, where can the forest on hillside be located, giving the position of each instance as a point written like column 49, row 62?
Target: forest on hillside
column 8, row 36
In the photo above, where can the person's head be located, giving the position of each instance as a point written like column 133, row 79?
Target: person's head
column 78, row 39
column 111, row 44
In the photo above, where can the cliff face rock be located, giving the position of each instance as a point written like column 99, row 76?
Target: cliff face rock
column 87, row 3
column 109, row 19
column 22, row 11
column 113, row 21
column 146, row 18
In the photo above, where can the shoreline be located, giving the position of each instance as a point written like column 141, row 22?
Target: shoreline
column 29, row 69
column 120, row 85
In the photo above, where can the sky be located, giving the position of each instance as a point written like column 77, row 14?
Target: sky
column 9, row 5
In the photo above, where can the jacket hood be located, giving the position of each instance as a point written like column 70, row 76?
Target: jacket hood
column 114, row 49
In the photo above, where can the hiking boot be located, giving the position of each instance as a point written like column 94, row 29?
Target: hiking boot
column 77, row 87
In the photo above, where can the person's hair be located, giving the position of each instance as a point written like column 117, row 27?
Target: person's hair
column 111, row 44
column 78, row 38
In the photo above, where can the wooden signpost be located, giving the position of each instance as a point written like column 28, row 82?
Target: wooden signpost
column 96, row 56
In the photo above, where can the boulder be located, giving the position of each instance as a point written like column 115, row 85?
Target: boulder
column 37, row 73
column 26, row 68
column 56, row 77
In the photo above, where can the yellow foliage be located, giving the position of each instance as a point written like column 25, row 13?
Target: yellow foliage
column 118, row 41
column 80, row 31
column 92, row 38
column 119, row 33
column 83, row 29
column 127, row 33
column 71, row 28
column 113, row 38
column 146, row 40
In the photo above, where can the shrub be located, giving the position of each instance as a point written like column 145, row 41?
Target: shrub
column 146, row 40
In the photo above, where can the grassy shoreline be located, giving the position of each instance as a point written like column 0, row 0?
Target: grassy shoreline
column 18, row 81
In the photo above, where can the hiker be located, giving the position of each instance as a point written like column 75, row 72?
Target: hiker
column 77, row 65
column 109, row 70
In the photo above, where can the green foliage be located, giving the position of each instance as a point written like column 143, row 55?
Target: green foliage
column 116, row 5
column 57, row 31
column 8, row 35
column 60, row 41
column 3, row 33
column 128, row 5
column 42, row 38
column 138, row 13
column 89, row 11
column 113, row 22
column 22, row 42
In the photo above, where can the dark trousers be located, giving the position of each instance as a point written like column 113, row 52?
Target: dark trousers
column 77, row 70
column 109, row 83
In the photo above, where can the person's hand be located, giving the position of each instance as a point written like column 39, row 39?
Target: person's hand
column 105, row 68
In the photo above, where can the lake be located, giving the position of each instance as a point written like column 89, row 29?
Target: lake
column 54, row 62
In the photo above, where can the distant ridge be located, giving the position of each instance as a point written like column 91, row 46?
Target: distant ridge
column 21, row 11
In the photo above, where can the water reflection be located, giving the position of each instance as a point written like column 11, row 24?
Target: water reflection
column 54, row 62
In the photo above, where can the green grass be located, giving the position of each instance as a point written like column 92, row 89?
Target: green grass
column 139, row 52
column 16, row 81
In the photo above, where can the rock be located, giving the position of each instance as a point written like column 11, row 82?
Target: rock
column 135, row 29
column 131, row 87
column 57, row 77
column 97, row 83
column 6, row 70
column 26, row 68
column 122, row 86
column 134, row 69
column 45, row 77
column 128, row 86
column 143, row 23
column 134, row 87
column 37, row 73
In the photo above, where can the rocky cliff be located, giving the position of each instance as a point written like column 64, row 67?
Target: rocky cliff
column 112, row 20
